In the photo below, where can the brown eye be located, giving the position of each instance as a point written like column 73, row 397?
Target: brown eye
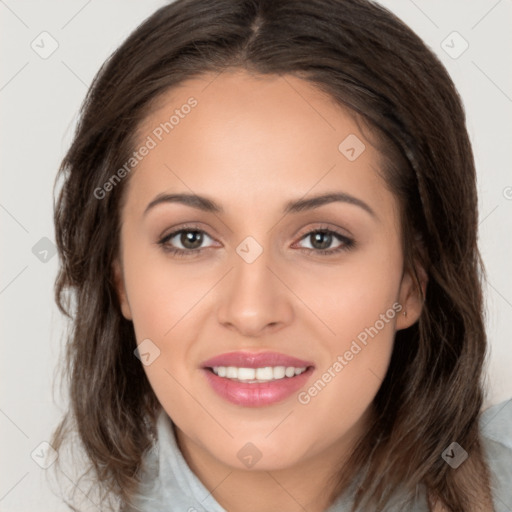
column 185, row 242
column 322, row 239
column 191, row 239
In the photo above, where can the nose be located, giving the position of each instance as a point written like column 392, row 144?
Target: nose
column 254, row 299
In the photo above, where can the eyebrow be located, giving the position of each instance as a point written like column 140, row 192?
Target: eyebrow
column 208, row 205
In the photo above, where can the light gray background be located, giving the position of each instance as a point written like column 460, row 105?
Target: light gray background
column 39, row 104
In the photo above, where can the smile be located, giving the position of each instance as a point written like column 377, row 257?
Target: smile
column 257, row 375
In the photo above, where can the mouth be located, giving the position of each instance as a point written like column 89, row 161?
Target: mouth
column 255, row 380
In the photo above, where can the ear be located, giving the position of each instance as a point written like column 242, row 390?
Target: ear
column 121, row 290
column 411, row 297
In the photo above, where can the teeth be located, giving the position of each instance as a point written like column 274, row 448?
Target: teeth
column 231, row 372
column 245, row 373
column 290, row 371
column 251, row 375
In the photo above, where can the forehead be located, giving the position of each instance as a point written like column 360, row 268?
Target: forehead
column 261, row 136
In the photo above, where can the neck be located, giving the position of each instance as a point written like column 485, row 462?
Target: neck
column 294, row 489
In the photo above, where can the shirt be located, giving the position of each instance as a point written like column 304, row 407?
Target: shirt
column 169, row 485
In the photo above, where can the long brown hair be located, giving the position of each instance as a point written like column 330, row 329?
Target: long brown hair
column 366, row 59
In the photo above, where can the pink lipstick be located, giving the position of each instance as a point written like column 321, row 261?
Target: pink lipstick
column 256, row 379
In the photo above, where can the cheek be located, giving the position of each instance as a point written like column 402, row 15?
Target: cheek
column 162, row 310
column 163, row 298
column 160, row 292
column 352, row 295
column 358, row 304
column 356, row 361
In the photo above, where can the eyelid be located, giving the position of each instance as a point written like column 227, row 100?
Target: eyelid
column 162, row 239
column 301, row 233
column 347, row 241
column 322, row 226
column 184, row 227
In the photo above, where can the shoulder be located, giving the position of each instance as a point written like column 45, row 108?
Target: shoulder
column 496, row 430
column 496, row 425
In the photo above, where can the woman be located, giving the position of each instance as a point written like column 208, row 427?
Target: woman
column 218, row 363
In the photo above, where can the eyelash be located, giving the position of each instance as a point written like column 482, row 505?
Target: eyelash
column 347, row 243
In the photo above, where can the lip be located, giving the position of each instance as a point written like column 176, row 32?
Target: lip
column 255, row 360
column 258, row 394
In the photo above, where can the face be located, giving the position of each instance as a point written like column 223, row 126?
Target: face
column 320, row 283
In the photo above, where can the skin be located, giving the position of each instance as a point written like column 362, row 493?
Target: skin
column 252, row 144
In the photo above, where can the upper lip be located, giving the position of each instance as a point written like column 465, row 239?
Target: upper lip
column 255, row 360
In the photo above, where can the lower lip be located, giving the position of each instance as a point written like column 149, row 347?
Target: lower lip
column 257, row 394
